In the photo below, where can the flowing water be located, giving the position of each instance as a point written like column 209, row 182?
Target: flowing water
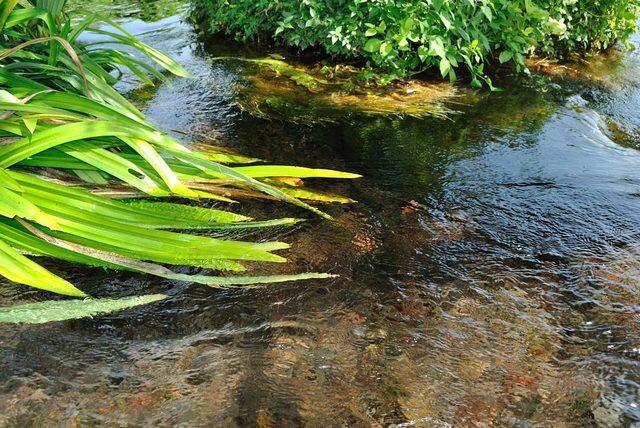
column 489, row 272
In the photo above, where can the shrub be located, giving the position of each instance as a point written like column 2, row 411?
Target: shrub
column 404, row 37
column 591, row 25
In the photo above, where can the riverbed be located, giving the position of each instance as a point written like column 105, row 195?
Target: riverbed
column 489, row 272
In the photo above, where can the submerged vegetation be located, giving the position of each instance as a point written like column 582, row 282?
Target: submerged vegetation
column 73, row 149
column 405, row 37
column 300, row 94
column 61, row 310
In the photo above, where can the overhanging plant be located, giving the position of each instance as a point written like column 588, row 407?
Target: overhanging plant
column 72, row 148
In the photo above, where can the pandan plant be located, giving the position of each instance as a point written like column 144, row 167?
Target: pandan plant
column 82, row 171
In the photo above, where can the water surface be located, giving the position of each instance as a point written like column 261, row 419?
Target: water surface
column 489, row 272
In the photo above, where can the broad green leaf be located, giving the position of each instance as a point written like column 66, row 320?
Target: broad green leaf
column 385, row 48
column 372, row 45
column 423, row 53
column 148, row 153
column 115, row 165
column 142, row 213
column 505, row 56
column 123, row 262
column 22, row 16
column 217, row 169
column 371, row 32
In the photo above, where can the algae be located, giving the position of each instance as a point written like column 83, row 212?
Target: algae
column 277, row 89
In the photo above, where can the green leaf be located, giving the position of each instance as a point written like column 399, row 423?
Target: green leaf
column 385, row 48
column 226, row 281
column 60, row 111
column 259, row 171
column 555, row 27
column 14, row 204
column 30, row 124
column 437, row 47
column 445, row 67
column 20, row 269
column 446, row 21
column 486, row 10
column 534, row 10
column 7, row 7
column 127, row 39
column 372, row 45
column 61, row 310
column 408, row 25
column 423, row 53
column 505, row 56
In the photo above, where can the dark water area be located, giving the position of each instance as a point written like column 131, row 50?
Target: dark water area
column 489, row 273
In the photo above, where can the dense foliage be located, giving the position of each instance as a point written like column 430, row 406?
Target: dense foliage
column 409, row 36
column 71, row 148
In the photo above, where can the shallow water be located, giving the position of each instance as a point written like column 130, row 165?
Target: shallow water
column 489, row 273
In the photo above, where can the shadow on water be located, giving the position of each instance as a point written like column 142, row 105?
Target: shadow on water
column 489, row 275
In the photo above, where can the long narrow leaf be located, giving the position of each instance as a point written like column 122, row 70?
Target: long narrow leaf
column 62, row 310
column 20, row 269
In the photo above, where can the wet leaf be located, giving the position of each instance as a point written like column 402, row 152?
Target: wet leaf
column 61, row 310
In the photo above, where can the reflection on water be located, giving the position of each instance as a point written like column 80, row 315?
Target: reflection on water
column 489, row 276
column 145, row 10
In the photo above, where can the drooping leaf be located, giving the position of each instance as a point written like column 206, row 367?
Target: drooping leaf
column 61, row 118
column 20, row 269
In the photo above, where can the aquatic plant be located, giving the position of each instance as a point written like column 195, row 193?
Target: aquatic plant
column 404, row 37
column 300, row 94
column 61, row 310
column 72, row 149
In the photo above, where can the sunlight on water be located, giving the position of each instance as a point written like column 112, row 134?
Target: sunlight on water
column 489, row 273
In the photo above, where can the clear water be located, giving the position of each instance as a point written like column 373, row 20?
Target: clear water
column 489, row 273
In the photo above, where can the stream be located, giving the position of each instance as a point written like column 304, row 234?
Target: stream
column 489, row 272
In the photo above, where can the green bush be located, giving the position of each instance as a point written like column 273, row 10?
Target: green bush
column 591, row 25
column 404, row 37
